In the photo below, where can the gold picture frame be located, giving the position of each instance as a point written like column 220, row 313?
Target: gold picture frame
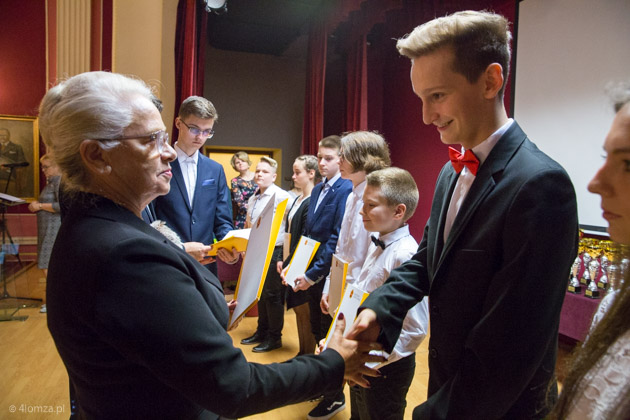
column 19, row 156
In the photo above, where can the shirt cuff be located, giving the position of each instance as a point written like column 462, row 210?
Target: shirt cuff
column 311, row 282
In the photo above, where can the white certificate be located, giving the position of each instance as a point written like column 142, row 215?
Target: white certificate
column 262, row 240
column 304, row 253
column 352, row 299
column 338, row 272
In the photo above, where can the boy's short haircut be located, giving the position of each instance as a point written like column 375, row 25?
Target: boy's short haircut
column 271, row 162
column 398, row 187
column 199, row 107
column 478, row 39
column 331, row 142
column 365, row 151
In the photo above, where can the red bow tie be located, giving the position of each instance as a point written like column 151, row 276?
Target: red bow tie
column 468, row 159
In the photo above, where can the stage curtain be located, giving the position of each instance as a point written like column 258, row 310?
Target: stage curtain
column 357, row 86
column 313, row 125
column 190, row 48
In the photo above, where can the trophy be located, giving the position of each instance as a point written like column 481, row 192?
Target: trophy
column 613, row 276
column 602, row 283
column 593, row 268
column 586, row 259
column 592, row 291
column 586, row 276
column 574, row 283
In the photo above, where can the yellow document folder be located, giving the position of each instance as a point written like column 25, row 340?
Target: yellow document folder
column 233, row 239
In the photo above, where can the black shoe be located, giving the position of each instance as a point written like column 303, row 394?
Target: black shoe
column 327, row 408
column 254, row 339
column 267, row 345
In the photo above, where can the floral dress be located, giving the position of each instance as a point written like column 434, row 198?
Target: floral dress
column 241, row 191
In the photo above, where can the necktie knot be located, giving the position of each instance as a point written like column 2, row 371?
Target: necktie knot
column 467, row 159
column 377, row 242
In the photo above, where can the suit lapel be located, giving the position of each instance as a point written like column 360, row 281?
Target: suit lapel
column 198, row 181
column 179, row 182
column 483, row 184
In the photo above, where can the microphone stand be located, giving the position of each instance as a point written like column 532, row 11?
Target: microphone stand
column 5, row 201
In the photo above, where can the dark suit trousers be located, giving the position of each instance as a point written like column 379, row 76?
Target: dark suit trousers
column 386, row 398
column 320, row 322
column 271, row 304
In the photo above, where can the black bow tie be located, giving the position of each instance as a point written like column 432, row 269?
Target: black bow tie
column 378, row 242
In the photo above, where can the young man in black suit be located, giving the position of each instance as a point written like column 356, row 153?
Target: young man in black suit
column 499, row 241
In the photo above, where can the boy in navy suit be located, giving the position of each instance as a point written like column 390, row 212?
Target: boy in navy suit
column 199, row 205
column 499, row 242
column 325, row 213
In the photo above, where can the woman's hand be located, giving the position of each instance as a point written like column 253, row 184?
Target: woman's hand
column 35, row 206
column 198, row 251
column 231, row 306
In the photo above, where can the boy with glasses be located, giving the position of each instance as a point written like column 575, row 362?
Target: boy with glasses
column 199, row 206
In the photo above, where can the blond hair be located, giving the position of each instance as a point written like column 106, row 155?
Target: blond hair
column 398, row 187
column 271, row 162
column 478, row 39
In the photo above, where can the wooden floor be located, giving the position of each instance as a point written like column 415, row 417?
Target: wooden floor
column 33, row 381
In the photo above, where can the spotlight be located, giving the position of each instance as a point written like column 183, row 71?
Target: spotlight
column 216, row 6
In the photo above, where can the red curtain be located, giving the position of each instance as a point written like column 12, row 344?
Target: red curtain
column 313, row 126
column 190, row 48
column 357, row 87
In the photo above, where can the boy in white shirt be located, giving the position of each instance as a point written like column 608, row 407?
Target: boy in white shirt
column 389, row 200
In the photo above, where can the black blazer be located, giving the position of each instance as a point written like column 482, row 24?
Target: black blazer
column 298, row 227
column 495, row 287
column 141, row 328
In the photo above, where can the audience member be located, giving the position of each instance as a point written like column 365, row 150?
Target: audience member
column 139, row 324
column 268, row 334
column 198, row 207
column 243, row 187
column 501, row 236
column 48, row 214
column 305, row 176
column 362, row 152
column 598, row 385
column 389, row 200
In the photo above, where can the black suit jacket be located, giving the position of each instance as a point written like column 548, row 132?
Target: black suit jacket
column 298, row 227
column 141, row 327
column 495, row 288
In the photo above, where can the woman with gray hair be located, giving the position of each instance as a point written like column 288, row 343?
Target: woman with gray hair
column 140, row 325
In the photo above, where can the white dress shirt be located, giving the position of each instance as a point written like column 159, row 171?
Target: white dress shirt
column 188, row 164
column 354, row 240
column 400, row 246
column 466, row 178
column 257, row 202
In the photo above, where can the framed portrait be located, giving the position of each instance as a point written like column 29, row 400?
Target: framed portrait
column 19, row 156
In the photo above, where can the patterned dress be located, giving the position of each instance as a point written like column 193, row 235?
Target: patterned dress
column 48, row 223
column 241, row 191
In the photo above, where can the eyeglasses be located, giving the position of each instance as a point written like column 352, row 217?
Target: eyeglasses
column 159, row 137
column 196, row 131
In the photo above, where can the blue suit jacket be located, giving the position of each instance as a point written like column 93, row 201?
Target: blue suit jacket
column 211, row 213
column 323, row 225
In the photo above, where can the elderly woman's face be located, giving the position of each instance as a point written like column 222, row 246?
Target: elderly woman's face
column 139, row 171
column 612, row 181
